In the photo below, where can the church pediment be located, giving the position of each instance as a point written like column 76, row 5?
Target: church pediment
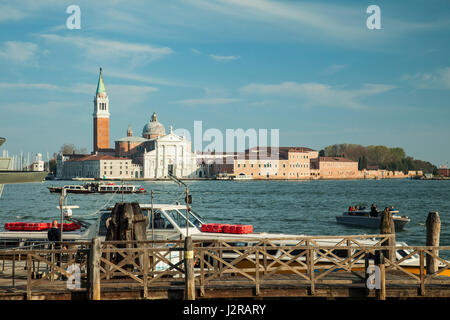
column 170, row 138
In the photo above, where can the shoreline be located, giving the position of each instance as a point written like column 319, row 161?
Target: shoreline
column 213, row 179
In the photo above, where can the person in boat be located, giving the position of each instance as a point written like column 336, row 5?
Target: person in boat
column 54, row 235
column 159, row 222
column 373, row 210
column 350, row 210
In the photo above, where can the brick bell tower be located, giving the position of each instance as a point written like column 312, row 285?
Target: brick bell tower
column 101, row 117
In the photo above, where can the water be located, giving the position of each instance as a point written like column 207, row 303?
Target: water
column 293, row 207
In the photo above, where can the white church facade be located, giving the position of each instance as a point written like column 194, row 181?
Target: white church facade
column 171, row 156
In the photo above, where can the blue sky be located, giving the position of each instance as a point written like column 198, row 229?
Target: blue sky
column 311, row 69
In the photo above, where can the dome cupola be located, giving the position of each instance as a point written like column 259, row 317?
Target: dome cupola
column 153, row 129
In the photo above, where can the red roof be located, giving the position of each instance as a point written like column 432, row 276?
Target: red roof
column 335, row 159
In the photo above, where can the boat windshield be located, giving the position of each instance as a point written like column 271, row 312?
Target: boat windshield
column 179, row 217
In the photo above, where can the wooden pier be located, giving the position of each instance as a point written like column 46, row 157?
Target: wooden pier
column 195, row 270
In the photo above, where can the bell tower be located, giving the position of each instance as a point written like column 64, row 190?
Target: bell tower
column 101, row 117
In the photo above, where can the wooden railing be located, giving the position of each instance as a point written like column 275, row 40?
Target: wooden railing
column 304, row 261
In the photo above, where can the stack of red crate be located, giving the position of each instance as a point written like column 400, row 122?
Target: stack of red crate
column 227, row 228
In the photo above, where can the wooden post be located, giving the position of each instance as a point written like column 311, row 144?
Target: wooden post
column 379, row 261
column 145, row 273
column 366, row 266
column 433, row 233
column 257, row 272
column 189, row 269
column 94, row 270
column 29, row 277
column 422, row 273
column 387, row 226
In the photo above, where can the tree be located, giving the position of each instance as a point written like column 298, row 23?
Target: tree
column 71, row 149
column 392, row 159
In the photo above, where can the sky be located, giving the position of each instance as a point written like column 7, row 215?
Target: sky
column 312, row 69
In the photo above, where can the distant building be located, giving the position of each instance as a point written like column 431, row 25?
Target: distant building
column 38, row 164
column 261, row 162
column 334, row 168
column 98, row 167
column 101, row 119
column 443, row 171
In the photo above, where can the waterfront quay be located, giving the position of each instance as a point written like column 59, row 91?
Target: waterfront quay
column 199, row 270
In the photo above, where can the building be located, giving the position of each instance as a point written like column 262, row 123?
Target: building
column 98, row 167
column 38, row 164
column 443, row 171
column 275, row 163
column 261, row 162
column 154, row 155
column 159, row 154
column 101, row 118
column 335, row 168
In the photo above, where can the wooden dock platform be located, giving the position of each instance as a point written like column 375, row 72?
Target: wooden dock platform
column 160, row 270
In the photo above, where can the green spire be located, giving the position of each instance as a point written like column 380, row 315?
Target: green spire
column 100, row 85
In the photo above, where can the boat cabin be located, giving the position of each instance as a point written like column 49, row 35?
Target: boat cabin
column 168, row 222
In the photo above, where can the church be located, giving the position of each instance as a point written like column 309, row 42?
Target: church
column 154, row 155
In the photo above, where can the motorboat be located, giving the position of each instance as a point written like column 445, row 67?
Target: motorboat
column 233, row 177
column 364, row 218
column 99, row 188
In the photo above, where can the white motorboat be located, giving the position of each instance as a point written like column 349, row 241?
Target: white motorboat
column 364, row 218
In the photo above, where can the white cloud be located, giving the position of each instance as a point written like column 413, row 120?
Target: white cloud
column 207, row 101
column 317, row 94
column 104, row 50
column 437, row 79
column 19, row 52
column 8, row 13
column 334, row 68
column 223, row 58
column 7, row 85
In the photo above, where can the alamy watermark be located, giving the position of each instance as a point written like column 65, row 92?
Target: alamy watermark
column 73, row 280
column 374, row 278
column 234, row 144
column 74, row 20
column 372, row 22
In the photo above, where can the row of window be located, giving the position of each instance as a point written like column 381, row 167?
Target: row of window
column 102, row 105
column 269, row 165
column 298, row 157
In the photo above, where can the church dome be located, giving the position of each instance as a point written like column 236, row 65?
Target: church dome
column 153, row 129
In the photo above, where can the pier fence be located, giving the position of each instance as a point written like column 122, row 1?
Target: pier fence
column 304, row 267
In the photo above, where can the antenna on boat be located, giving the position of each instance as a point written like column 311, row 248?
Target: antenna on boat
column 61, row 205
column 188, row 199
column 153, row 220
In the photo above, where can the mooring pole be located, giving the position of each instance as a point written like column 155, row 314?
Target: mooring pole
column 94, row 270
column 387, row 226
column 189, row 269
column 433, row 235
column 379, row 261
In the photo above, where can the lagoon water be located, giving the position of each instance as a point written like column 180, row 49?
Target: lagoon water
column 293, row 207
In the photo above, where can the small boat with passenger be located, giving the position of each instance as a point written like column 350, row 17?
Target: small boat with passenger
column 361, row 217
